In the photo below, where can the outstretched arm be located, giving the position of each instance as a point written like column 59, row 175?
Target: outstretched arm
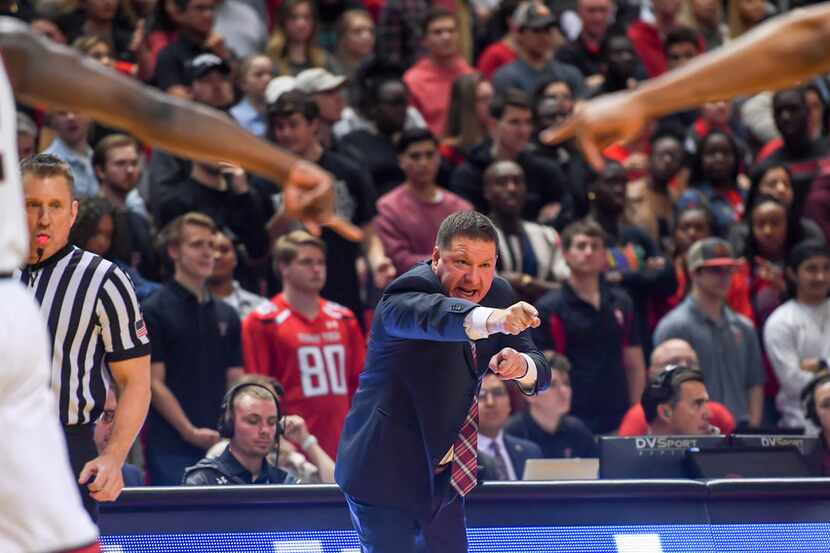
column 47, row 74
column 774, row 55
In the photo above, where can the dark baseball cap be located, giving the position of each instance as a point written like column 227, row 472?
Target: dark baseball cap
column 533, row 15
column 711, row 252
column 203, row 64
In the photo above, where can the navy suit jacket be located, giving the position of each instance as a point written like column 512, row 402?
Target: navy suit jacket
column 520, row 450
column 416, row 388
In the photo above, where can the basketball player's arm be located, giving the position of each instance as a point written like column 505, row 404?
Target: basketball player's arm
column 133, row 378
column 635, row 372
column 777, row 54
column 169, row 407
column 382, row 267
column 47, row 74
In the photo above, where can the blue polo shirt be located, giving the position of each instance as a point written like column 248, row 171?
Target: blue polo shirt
column 593, row 340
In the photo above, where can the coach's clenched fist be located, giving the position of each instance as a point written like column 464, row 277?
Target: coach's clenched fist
column 513, row 320
column 509, row 364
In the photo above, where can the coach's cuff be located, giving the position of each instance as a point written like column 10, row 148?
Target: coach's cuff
column 475, row 323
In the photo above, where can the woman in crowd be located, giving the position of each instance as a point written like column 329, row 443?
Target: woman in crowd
column 772, row 235
column 293, row 47
column 715, row 177
column 355, row 41
column 775, row 181
column 160, row 30
column 95, row 231
column 255, row 73
column 468, row 119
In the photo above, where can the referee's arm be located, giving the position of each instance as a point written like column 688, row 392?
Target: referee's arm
column 133, row 378
column 124, row 336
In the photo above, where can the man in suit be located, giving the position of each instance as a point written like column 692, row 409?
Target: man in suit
column 509, row 453
column 407, row 452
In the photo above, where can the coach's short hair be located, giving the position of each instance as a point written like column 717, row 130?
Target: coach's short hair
column 288, row 246
column 48, row 165
column 469, row 224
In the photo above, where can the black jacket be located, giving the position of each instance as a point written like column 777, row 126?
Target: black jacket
column 225, row 470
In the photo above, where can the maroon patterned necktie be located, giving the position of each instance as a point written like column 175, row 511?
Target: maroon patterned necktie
column 464, row 450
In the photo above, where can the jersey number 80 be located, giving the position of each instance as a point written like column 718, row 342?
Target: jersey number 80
column 322, row 370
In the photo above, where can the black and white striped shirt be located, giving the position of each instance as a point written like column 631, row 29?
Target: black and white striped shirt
column 93, row 317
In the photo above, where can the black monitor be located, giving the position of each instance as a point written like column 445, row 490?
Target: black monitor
column 650, row 456
column 748, row 462
column 805, row 444
column 770, row 431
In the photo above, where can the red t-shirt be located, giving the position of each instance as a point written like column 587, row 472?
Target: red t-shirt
column 649, row 47
column 317, row 362
column 495, row 56
column 634, row 422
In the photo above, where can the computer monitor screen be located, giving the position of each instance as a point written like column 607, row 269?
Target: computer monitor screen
column 650, row 456
column 805, row 444
column 748, row 462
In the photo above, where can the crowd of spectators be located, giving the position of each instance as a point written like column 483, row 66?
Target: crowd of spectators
column 701, row 243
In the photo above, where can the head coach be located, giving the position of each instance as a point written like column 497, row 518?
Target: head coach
column 407, row 454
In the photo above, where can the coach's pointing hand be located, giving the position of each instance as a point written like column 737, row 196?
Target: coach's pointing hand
column 513, row 320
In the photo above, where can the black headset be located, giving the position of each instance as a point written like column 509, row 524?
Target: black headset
column 226, row 424
column 808, row 399
column 661, row 387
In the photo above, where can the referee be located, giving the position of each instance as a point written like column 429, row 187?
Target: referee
column 95, row 327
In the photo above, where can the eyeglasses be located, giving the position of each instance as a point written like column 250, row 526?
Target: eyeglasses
column 496, row 393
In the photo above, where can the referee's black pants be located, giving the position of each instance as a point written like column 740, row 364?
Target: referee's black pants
column 81, row 445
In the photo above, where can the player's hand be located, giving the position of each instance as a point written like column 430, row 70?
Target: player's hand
column 508, row 364
column 235, row 176
column 513, row 320
column 295, row 429
column 599, row 123
column 383, row 272
column 811, row 365
column 309, row 197
column 203, row 438
column 103, row 478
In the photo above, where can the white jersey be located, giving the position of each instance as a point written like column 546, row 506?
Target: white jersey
column 14, row 234
column 40, row 508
